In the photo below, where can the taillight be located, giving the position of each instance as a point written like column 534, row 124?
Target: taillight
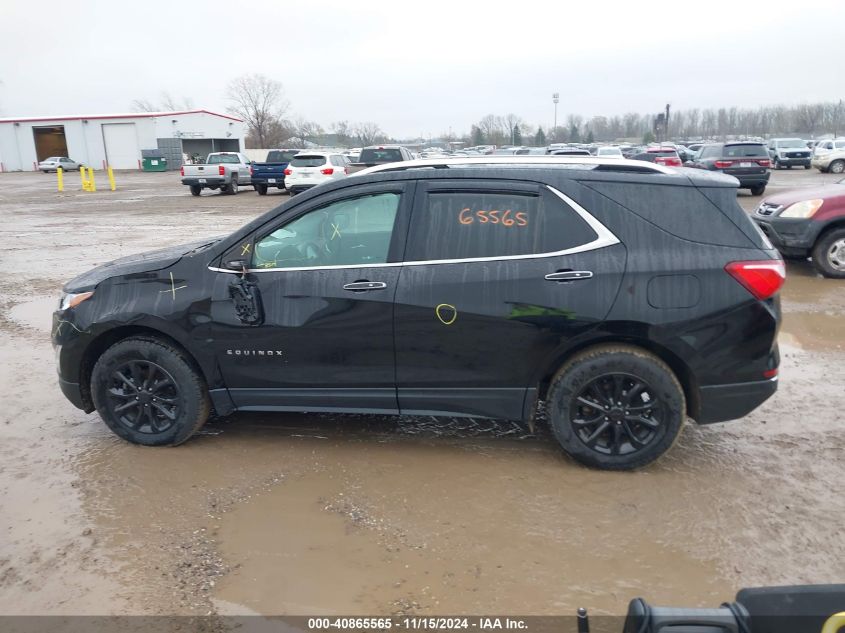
column 251, row 172
column 674, row 162
column 328, row 171
column 221, row 170
column 762, row 278
column 288, row 172
column 182, row 170
column 764, row 163
column 721, row 164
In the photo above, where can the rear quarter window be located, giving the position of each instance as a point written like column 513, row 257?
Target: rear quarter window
column 684, row 212
column 479, row 224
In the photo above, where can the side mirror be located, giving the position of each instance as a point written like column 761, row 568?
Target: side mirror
column 237, row 264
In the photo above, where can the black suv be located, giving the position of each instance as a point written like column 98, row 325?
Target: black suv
column 626, row 296
column 747, row 162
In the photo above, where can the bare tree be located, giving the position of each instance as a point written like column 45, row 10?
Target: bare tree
column 258, row 100
column 143, row 105
column 367, row 133
column 167, row 103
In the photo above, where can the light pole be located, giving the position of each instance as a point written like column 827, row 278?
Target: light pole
column 555, row 99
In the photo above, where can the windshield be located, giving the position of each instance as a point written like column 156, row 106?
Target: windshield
column 383, row 155
column 215, row 159
column 280, row 156
column 793, row 142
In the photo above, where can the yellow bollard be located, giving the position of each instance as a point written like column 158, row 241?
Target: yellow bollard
column 82, row 177
column 60, row 176
column 111, row 179
column 91, row 182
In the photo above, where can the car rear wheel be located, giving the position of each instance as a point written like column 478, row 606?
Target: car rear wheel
column 837, row 167
column 758, row 190
column 148, row 392
column 261, row 189
column 616, row 407
column 829, row 254
column 776, row 163
column 806, row 166
column 196, row 190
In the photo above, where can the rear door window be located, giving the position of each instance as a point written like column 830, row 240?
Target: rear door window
column 477, row 223
column 307, row 161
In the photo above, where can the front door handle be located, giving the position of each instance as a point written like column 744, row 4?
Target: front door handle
column 569, row 275
column 361, row 286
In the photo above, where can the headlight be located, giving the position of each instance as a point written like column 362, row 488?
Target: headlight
column 71, row 300
column 803, row 209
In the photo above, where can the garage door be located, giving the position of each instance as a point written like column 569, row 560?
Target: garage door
column 121, row 145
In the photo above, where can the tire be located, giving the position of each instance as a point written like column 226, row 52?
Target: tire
column 758, row 190
column 177, row 390
column 829, row 254
column 776, row 164
column 807, row 166
column 232, row 189
column 196, row 190
column 261, row 189
column 613, row 369
column 836, row 166
column 789, row 166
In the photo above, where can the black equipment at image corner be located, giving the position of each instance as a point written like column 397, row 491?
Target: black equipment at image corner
column 792, row 609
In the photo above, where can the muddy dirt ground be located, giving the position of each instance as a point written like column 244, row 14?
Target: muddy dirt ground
column 315, row 514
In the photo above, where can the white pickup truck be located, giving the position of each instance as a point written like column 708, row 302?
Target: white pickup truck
column 222, row 170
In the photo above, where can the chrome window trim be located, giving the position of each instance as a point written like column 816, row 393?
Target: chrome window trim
column 604, row 238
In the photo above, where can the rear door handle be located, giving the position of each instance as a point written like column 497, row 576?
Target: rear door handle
column 569, row 275
column 361, row 286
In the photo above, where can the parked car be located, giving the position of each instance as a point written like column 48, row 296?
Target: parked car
column 666, row 156
column 271, row 173
column 379, row 155
column 789, row 153
column 626, row 300
column 54, row 162
column 609, row 152
column 747, row 162
column 225, row 171
column 309, row 169
column 568, row 151
column 808, row 223
column 829, row 156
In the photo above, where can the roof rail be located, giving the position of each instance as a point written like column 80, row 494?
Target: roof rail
column 588, row 162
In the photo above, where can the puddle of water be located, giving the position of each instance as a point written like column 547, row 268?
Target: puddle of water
column 37, row 314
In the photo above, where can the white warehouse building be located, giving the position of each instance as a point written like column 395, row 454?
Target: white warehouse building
column 117, row 140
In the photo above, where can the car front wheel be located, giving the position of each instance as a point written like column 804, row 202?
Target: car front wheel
column 829, row 254
column 616, row 407
column 149, row 393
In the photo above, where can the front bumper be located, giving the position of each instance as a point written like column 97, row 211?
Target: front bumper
column 820, row 163
column 720, row 403
column 73, row 393
column 800, row 162
column 792, row 236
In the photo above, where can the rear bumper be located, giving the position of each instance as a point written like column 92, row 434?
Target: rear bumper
column 279, row 181
column 751, row 180
column 300, row 188
column 210, row 181
column 720, row 403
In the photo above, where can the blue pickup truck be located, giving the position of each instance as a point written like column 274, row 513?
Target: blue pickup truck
column 271, row 173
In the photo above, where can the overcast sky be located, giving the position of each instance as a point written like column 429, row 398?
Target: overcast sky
column 421, row 67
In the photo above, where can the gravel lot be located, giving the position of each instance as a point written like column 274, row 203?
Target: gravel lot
column 299, row 514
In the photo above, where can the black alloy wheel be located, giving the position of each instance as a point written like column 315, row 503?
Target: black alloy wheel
column 143, row 397
column 616, row 414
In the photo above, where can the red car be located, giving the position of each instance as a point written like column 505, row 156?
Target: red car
column 808, row 222
column 660, row 155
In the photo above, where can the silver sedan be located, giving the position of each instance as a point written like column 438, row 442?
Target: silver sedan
column 54, row 162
